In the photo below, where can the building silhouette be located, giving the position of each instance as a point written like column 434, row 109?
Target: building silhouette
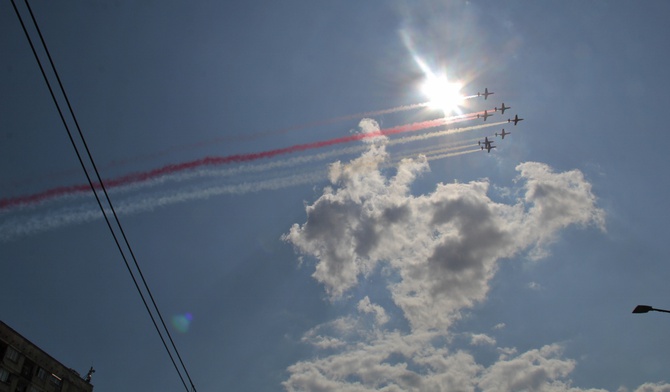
column 24, row 367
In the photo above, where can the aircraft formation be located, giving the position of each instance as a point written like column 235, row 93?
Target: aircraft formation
column 488, row 144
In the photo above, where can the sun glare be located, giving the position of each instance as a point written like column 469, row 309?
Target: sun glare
column 443, row 94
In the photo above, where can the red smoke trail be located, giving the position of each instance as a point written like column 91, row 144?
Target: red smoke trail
column 211, row 161
column 256, row 135
column 238, row 138
column 241, row 137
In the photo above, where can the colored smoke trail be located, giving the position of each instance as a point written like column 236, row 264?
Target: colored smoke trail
column 295, row 161
column 87, row 211
column 241, row 137
column 315, row 124
column 257, row 135
column 211, row 161
column 285, row 163
column 13, row 228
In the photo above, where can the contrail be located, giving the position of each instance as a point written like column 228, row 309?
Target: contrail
column 312, row 124
column 295, row 161
column 255, row 168
column 237, row 158
column 439, row 150
column 239, row 137
column 286, row 163
column 88, row 212
column 16, row 227
column 450, row 131
column 451, row 154
column 257, row 135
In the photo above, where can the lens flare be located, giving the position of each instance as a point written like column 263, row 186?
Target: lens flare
column 443, row 94
column 182, row 322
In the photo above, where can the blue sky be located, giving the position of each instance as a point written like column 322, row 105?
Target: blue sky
column 512, row 270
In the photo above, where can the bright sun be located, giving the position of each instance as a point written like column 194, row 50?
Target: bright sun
column 443, row 94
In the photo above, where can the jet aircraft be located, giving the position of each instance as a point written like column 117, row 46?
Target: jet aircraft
column 503, row 108
column 515, row 120
column 486, row 142
column 488, row 148
column 503, row 133
column 486, row 93
column 485, row 115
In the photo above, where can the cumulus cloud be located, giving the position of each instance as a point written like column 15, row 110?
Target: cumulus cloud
column 388, row 361
column 535, row 370
column 366, row 306
column 371, row 127
column 439, row 252
column 653, row 387
column 391, row 361
column 556, row 201
column 444, row 245
column 480, row 339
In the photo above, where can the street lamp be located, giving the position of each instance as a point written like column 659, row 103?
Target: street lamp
column 647, row 308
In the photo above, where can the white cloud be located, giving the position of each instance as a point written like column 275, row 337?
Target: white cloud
column 506, row 352
column 442, row 250
column 365, row 306
column 370, row 126
column 651, row 387
column 389, row 361
column 321, row 336
column 347, row 227
column 556, row 201
column 535, row 370
column 444, row 245
column 480, row 339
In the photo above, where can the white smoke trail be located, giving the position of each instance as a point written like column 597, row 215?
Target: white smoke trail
column 22, row 225
column 245, row 168
column 296, row 161
column 450, row 154
column 452, row 131
column 435, row 151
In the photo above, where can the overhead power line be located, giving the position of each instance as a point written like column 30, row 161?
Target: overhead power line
column 107, row 198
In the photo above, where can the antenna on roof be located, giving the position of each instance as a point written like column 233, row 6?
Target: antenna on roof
column 90, row 374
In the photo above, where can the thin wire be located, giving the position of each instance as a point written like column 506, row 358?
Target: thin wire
column 118, row 245
column 105, row 192
column 123, row 234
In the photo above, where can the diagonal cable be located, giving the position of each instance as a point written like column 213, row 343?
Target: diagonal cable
column 93, row 188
